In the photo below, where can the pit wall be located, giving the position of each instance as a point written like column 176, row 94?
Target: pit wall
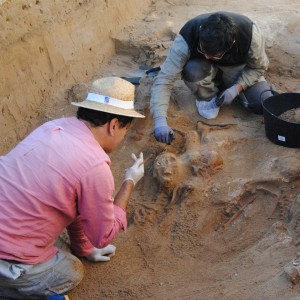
column 46, row 46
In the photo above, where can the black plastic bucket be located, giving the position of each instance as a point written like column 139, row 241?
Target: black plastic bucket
column 279, row 131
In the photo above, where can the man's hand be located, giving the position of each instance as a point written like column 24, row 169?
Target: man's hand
column 136, row 171
column 227, row 96
column 162, row 132
column 102, row 254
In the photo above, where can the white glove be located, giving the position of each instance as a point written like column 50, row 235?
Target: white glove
column 228, row 96
column 208, row 109
column 102, row 254
column 136, row 171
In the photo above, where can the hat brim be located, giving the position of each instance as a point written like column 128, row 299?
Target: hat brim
column 108, row 109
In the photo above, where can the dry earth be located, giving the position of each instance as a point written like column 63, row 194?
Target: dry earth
column 182, row 242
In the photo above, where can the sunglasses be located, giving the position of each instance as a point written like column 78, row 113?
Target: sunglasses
column 214, row 57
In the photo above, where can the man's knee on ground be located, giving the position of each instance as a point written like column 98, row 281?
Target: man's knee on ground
column 78, row 270
column 66, row 274
column 252, row 98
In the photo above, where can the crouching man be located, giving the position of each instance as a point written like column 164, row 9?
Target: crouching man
column 59, row 177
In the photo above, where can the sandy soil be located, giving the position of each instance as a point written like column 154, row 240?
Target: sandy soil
column 292, row 115
column 226, row 225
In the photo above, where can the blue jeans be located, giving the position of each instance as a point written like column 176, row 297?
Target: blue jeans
column 56, row 276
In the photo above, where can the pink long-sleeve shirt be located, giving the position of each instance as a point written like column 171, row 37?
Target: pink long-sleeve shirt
column 58, row 177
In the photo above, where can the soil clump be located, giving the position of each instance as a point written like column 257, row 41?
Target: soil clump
column 217, row 213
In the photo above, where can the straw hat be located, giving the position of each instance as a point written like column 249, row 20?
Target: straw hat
column 112, row 95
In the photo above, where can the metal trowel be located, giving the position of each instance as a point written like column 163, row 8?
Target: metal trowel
column 143, row 71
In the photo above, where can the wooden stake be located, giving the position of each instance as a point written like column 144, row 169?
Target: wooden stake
column 238, row 213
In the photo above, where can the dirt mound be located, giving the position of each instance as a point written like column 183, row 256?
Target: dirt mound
column 217, row 213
